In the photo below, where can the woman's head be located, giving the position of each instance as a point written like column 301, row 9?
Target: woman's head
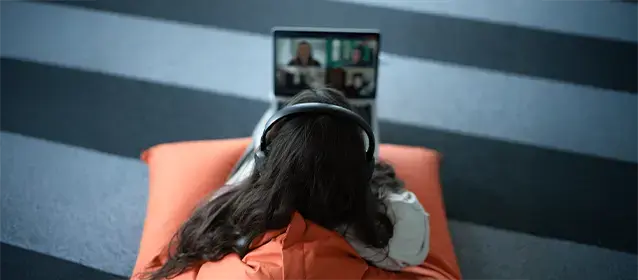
column 314, row 165
column 317, row 161
column 304, row 51
column 356, row 55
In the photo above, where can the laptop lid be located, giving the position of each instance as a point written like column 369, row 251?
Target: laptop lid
column 344, row 59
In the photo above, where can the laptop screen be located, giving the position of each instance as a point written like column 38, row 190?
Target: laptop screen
column 344, row 60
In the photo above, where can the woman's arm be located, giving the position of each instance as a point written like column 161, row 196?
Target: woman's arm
column 242, row 173
column 410, row 243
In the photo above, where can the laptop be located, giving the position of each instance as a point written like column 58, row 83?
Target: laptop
column 344, row 59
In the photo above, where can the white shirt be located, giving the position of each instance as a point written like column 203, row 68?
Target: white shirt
column 410, row 242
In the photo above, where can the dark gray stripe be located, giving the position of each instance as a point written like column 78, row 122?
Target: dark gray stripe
column 18, row 263
column 117, row 116
column 548, row 193
column 529, row 189
column 571, row 58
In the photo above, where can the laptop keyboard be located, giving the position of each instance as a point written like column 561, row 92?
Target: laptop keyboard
column 364, row 110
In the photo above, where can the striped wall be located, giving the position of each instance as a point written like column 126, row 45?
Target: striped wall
column 532, row 103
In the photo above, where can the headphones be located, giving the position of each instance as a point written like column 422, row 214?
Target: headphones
column 324, row 109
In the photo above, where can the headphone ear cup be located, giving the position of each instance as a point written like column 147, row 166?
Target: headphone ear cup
column 370, row 169
column 260, row 158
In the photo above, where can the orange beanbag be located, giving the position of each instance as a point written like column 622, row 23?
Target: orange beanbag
column 181, row 174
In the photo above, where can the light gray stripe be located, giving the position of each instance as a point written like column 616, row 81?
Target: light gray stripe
column 601, row 19
column 413, row 91
column 72, row 203
column 159, row 51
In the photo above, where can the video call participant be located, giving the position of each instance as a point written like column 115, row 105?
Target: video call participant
column 304, row 56
column 356, row 58
column 286, row 81
column 357, row 86
column 337, row 79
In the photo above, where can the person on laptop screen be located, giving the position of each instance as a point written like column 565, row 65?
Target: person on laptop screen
column 304, row 56
column 317, row 166
column 357, row 86
column 356, row 57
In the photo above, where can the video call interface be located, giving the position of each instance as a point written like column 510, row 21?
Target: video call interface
column 346, row 64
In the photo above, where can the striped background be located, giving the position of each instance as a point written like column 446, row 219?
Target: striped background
column 532, row 103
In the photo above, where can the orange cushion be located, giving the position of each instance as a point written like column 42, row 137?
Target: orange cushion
column 181, row 174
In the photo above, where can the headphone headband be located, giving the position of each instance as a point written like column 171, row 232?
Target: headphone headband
column 320, row 108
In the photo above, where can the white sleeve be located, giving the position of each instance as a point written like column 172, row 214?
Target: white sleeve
column 242, row 173
column 410, row 242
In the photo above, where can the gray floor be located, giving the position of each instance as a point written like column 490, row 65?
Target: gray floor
column 539, row 169
column 488, row 253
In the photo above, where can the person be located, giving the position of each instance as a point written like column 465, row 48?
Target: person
column 357, row 85
column 337, row 78
column 356, row 58
column 304, row 56
column 314, row 167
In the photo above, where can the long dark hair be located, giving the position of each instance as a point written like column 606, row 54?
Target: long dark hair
column 314, row 166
